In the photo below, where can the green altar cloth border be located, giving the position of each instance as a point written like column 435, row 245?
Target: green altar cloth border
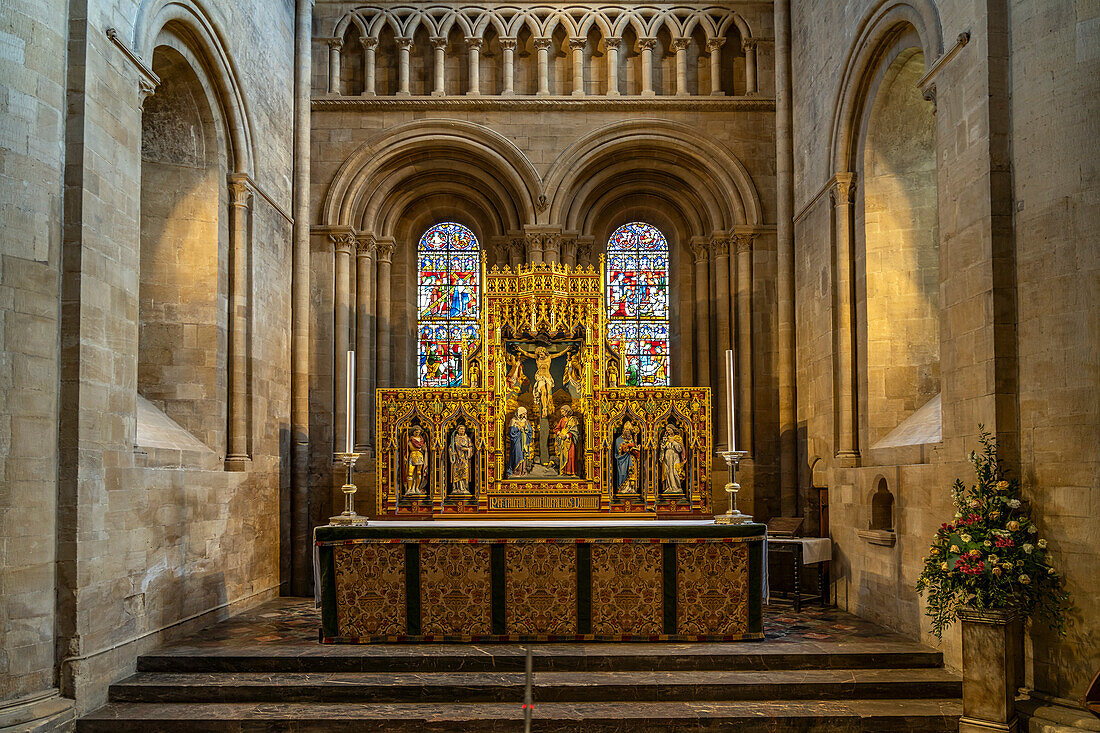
column 497, row 619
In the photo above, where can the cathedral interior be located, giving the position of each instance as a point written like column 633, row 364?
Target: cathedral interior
column 859, row 229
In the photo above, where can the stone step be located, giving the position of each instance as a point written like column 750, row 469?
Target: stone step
column 443, row 687
column 548, row 658
column 832, row 716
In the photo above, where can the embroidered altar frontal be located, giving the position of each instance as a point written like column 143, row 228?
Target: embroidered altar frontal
column 551, row 581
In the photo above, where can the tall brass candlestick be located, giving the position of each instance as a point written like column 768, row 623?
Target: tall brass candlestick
column 349, row 456
column 731, row 423
column 349, row 442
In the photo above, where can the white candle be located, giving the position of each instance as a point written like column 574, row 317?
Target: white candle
column 350, row 442
column 730, row 422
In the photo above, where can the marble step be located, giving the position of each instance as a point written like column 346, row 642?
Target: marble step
column 446, row 687
column 867, row 654
column 829, row 716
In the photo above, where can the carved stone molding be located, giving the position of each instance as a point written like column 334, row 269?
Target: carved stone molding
column 541, row 43
column 508, row 44
column 646, row 44
column 713, row 44
column 577, row 42
column 345, row 242
column 438, row 42
column 743, row 241
column 612, row 41
column 367, row 244
column 844, row 189
column 720, row 245
column 384, row 249
column 700, row 252
column 724, row 104
column 679, row 44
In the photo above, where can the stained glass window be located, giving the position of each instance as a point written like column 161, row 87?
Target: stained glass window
column 448, row 303
column 637, row 302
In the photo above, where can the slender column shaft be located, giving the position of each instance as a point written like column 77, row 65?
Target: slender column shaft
column 848, row 447
column 702, row 311
column 569, row 251
column 750, row 65
column 784, row 240
column 404, row 47
column 577, row 46
column 612, row 43
column 542, row 46
column 341, row 323
column 744, row 342
column 508, row 51
column 551, row 248
column 534, row 248
column 714, row 46
column 646, row 45
column 364, row 342
column 237, row 453
column 680, row 46
column 515, row 252
column 720, row 247
column 301, row 545
column 439, row 53
column 369, row 47
column 384, row 253
column 334, row 45
column 474, row 45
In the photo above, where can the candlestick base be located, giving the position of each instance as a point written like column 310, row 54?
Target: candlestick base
column 348, row 517
column 732, row 515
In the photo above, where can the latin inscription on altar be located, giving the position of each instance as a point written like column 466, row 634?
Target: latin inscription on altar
column 544, row 503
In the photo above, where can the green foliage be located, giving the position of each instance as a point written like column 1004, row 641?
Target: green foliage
column 991, row 556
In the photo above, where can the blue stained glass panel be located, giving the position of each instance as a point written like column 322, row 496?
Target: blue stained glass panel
column 448, row 302
column 638, row 302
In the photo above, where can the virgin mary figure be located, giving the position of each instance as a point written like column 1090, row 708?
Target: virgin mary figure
column 520, row 433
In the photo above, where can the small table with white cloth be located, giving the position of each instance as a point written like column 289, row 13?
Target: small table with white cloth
column 805, row 551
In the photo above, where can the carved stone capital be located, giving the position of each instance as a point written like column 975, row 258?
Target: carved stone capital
column 700, row 253
column 404, row 43
column 335, row 44
column 720, row 245
column 472, row 42
column 368, row 43
column 384, row 250
column 748, row 44
column 508, row 44
column 367, row 243
column 343, row 242
column 713, row 44
column 240, row 191
column 646, row 44
column 844, row 189
column 743, row 241
column 146, row 89
column 577, row 42
column 515, row 249
column 438, row 42
column 568, row 248
column 543, row 43
column 612, row 41
column 680, row 44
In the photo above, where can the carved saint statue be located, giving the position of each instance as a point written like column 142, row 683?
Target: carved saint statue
column 566, row 436
column 544, row 382
column 475, row 373
column 574, row 376
column 626, row 461
column 520, row 433
column 459, row 454
column 416, row 460
column 672, row 460
column 513, row 379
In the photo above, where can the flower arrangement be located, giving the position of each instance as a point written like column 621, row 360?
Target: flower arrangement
column 991, row 556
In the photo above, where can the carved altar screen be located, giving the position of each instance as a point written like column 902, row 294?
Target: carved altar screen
column 637, row 302
column 448, row 306
column 542, row 424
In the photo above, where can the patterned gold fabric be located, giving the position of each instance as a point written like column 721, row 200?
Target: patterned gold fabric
column 627, row 588
column 712, row 581
column 455, row 590
column 540, row 581
column 370, row 589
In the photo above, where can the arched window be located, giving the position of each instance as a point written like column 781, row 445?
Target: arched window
column 448, row 304
column 637, row 302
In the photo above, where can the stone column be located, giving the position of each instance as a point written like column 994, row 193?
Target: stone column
column 334, row 45
column 577, row 45
column 369, row 46
column 439, row 55
column 749, row 47
column 542, row 46
column 612, row 43
column 569, row 250
column 364, row 344
column 680, row 46
column 848, row 447
column 584, row 250
column 744, row 341
column 404, row 48
column 508, row 50
column 515, row 252
column 646, row 45
column 384, row 253
column 714, row 48
column 474, row 47
column 344, row 245
column 701, row 255
column 237, row 457
column 720, row 247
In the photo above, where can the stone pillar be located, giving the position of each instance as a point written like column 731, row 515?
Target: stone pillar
column 237, row 457
column 646, row 45
column 344, row 245
column 474, row 47
column 612, row 43
column 680, row 46
column 749, row 47
column 364, row 344
column 784, row 242
column 577, row 45
column 701, row 255
column 404, row 48
column 744, row 341
column 584, row 250
column 369, row 46
column 714, row 48
column 439, row 55
column 848, row 447
column 334, row 45
column 515, row 252
column 508, row 50
column 569, row 250
column 384, row 253
column 721, row 248
column 542, row 46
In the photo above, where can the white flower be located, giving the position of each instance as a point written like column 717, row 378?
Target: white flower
column 1050, row 571
column 1028, row 548
column 1014, row 503
column 1025, row 579
column 1032, row 529
column 964, row 537
column 1042, row 544
column 993, row 559
column 987, row 543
